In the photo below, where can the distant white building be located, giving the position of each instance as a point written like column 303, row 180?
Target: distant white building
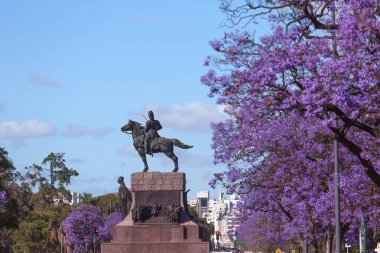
column 221, row 212
column 200, row 204
column 232, row 216
column 75, row 198
column 60, row 199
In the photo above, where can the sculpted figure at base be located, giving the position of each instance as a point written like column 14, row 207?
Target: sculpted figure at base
column 142, row 213
column 147, row 141
column 125, row 198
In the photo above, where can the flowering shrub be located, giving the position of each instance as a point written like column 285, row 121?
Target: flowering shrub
column 86, row 225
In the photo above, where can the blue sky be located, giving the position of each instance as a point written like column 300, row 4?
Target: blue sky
column 73, row 72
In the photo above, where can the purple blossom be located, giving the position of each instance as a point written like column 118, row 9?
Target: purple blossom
column 280, row 93
column 3, row 199
column 85, row 224
column 106, row 231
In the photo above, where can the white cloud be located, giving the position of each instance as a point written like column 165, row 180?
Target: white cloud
column 75, row 131
column 24, row 129
column 194, row 116
column 42, row 80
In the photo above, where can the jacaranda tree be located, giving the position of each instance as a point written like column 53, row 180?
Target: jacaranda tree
column 282, row 91
column 85, row 226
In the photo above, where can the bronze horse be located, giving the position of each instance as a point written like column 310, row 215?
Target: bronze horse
column 159, row 145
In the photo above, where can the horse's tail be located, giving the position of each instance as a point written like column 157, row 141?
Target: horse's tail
column 179, row 144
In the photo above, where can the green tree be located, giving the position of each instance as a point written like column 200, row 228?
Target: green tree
column 87, row 198
column 38, row 232
column 17, row 202
column 52, row 180
column 32, row 236
column 207, row 229
column 107, row 203
column 8, row 172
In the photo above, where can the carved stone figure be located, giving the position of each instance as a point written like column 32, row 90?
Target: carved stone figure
column 156, row 145
column 177, row 212
column 173, row 212
column 134, row 214
column 170, row 210
column 125, row 197
column 142, row 213
column 139, row 213
column 155, row 210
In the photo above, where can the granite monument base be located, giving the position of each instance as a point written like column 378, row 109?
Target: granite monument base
column 155, row 229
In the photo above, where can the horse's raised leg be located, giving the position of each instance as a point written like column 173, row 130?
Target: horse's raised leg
column 143, row 158
column 172, row 156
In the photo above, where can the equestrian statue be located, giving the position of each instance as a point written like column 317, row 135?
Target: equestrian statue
column 146, row 140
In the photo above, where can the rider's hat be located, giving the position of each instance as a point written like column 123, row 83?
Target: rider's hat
column 150, row 113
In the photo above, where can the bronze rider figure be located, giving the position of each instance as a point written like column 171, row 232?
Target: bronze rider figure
column 152, row 126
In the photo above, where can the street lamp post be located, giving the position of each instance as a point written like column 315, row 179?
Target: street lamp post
column 306, row 249
column 336, row 154
column 329, row 242
column 336, row 158
column 94, row 236
column 94, row 241
column 362, row 238
column 337, row 191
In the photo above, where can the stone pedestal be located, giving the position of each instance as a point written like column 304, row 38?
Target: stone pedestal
column 157, row 233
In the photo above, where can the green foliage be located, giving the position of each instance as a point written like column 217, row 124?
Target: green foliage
column 87, row 198
column 30, row 221
column 17, row 203
column 52, row 180
column 207, row 228
column 7, row 170
column 32, row 235
column 6, row 239
column 107, row 203
column 9, row 216
column 55, row 213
